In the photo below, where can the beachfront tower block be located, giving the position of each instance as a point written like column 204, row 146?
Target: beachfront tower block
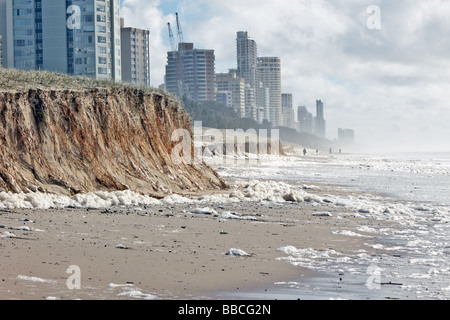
column 78, row 37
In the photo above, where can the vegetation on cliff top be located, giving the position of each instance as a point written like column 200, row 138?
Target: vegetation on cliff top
column 18, row 80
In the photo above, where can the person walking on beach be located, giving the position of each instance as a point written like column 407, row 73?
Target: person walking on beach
column 304, row 152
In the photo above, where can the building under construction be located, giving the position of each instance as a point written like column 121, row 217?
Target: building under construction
column 190, row 72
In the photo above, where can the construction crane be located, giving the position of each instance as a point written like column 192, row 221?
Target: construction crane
column 177, row 54
column 180, row 31
column 183, row 83
column 172, row 38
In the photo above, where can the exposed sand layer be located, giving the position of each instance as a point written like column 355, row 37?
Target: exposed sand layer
column 68, row 135
column 164, row 252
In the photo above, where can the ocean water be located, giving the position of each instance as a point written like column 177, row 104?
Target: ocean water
column 412, row 190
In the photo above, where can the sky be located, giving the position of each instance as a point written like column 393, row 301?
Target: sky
column 384, row 73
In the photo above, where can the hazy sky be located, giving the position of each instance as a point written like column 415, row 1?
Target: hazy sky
column 392, row 85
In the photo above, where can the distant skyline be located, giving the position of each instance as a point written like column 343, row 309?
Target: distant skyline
column 390, row 85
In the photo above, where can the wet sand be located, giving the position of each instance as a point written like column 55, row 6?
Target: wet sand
column 164, row 252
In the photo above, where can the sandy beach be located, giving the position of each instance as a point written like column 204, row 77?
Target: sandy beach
column 165, row 252
column 66, row 232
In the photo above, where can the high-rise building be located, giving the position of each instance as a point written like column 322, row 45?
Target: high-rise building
column 247, row 68
column 305, row 120
column 346, row 136
column 190, row 72
column 229, row 82
column 263, row 103
column 251, row 105
column 269, row 76
column 1, row 52
column 288, row 111
column 225, row 98
column 135, row 55
column 3, row 32
column 79, row 37
column 320, row 120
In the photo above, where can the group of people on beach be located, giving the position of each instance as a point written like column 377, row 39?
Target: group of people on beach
column 305, row 152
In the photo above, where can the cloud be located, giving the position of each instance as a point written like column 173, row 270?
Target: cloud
column 367, row 78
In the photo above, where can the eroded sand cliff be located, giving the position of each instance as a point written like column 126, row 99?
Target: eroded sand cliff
column 59, row 134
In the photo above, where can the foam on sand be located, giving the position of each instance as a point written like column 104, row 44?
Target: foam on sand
column 349, row 234
column 234, row 215
column 6, row 234
column 244, row 191
column 273, row 191
column 34, row 279
column 307, row 257
column 237, row 253
column 130, row 291
column 95, row 200
column 207, row 211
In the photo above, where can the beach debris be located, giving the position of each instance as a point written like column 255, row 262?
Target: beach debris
column 234, row 215
column 34, row 279
column 122, row 247
column 391, row 284
column 223, row 232
column 7, row 234
column 293, row 197
column 21, row 228
column 137, row 294
column 237, row 253
column 322, row 214
column 237, row 194
column 349, row 233
column 224, row 215
column 128, row 290
column 207, row 211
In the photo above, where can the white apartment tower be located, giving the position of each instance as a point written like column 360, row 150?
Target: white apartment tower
column 247, row 68
column 321, row 124
column 288, row 111
column 135, row 55
column 229, row 84
column 269, row 76
column 305, row 120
